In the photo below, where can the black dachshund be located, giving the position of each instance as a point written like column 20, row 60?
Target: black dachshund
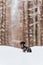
column 25, row 48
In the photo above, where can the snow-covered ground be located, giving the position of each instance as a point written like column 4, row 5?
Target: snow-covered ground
column 15, row 56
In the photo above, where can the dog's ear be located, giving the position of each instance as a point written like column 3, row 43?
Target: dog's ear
column 22, row 43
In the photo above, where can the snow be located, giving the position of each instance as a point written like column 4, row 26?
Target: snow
column 15, row 56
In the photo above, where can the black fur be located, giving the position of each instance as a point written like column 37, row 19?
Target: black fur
column 25, row 48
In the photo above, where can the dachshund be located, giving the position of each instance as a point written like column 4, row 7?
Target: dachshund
column 25, row 48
